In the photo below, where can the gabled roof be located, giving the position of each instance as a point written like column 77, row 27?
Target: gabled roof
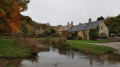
column 85, row 26
column 64, row 28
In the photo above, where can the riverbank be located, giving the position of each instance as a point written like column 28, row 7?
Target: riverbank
column 8, row 50
column 84, row 46
column 24, row 48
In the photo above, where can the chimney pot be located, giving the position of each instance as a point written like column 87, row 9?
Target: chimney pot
column 79, row 23
column 90, row 20
column 72, row 23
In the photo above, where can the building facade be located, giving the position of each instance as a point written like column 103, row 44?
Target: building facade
column 84, row 29
column 65, row 29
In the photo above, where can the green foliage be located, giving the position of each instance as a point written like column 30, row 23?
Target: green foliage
column 54, row 34
column 23, row 4
column 2, row 11
column 93, row 33
column 72, row 35
column 41, row 35
column 100, row 18
column 53, row 31
column 28, row 26
column 69, row 37
column 88, row 41
column 10, row 66
column 47, row 32
column 23, row 28
column 113, row 24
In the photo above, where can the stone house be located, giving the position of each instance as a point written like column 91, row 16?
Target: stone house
column 39, row 31
column 65, row 29
column 84, row 29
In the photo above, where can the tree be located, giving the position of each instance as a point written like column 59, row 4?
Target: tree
column 113, row 24
column 10, row 15
column 53, row 31
column 100, row 18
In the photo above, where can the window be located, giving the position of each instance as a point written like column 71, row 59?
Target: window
column 101, row 28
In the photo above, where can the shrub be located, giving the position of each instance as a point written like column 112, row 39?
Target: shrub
column 53, row 41
column 61, row 42
column 72, row 35
column 54, row 35
column 79, row 38
column 69, row 37
column 41, row 35
column 93, row 34
column 44, row 41
column 28, row 43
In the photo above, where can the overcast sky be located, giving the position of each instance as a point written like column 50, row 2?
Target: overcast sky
column 79, row 11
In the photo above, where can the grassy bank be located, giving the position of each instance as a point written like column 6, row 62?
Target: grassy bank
column 88, row 41
column 8, row 50
column 82, row 45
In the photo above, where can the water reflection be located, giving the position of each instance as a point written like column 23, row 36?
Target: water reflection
column 64, row 58
column 6, row 63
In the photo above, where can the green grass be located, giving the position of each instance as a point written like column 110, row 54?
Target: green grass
column 8, row 50
column 89, row 41
column 90, row 48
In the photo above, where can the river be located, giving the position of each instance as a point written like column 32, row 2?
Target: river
column 63, row 58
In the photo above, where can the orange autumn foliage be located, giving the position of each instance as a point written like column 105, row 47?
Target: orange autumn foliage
column 14, row 18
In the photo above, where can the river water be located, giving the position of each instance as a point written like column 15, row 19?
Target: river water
column 63, row 58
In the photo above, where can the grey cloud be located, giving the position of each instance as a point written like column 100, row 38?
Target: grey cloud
column 63, row 11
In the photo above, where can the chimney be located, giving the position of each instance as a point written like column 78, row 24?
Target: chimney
column 68, row 24
column 90, row 20
column 72, row 23
column 79, row 23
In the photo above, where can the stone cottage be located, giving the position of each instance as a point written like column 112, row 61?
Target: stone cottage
column 84, row 29
column 65, row 29
column 39, row 31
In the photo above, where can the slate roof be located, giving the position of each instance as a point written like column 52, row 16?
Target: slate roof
column 85, row 26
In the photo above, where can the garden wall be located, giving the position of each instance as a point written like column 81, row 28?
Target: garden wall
column 114, row 39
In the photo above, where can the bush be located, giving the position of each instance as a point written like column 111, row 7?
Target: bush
column 61, row 42
column 79, row 38
column 54, row 35
column 28, row 43
column 72, row 35
column 69, row 37
column 51, row 41
column 93, row 34
column 41, row 35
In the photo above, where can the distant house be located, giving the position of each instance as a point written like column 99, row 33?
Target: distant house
column 84, row 29
column 65, row 29
column 39, row 31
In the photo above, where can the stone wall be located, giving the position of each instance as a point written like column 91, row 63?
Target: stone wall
column 114, row 39
column 84, row 35
column 105, row 29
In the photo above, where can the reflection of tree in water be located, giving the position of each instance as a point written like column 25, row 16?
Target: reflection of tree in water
column 13, row 62
column 16, row 62
column 33, row 58
column 69, row 53
column 111, row 58
column 56, row 64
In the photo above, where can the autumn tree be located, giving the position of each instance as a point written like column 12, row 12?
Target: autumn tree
column 10, row 15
